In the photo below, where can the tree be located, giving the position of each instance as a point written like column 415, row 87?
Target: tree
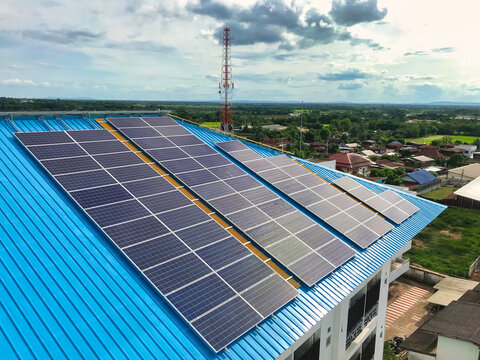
column 324, row 133
column 457, row 160
column 333, row 148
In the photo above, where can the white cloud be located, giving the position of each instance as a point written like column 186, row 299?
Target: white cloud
column 18, row 82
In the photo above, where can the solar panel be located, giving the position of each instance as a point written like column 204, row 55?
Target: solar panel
column 219, row 178
column 308, row 190
column 90, row 135
column 104, row 147
column 388, row 203
column 176, row 245
column 45, row 152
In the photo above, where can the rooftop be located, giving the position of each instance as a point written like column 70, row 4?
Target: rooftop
column 471, row 170
column 422, row 158
column 349, row 160
column 450, row 289
column 421, row 176
column 471, row 190
column 69, row 293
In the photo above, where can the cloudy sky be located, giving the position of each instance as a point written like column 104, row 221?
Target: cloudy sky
column 318, row 51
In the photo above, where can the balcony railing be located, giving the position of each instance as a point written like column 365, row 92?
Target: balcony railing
column 361, row 324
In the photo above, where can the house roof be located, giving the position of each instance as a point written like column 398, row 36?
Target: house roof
column 395, row 142
column 422, row 158
column 459, row 320
column 471, row 190
column 350, row 160
column 389, row 164
column 421, row 176
column 468, row 147
column 432, row 153
column 470, row 171
column 368, row 153
column 67, row 292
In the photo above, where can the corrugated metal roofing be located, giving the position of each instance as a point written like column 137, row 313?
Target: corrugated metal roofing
column 422, row 176
column 67, row 293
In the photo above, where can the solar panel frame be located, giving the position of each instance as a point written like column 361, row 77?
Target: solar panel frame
column 119, row 228
column 334, row 201
column 242, row 183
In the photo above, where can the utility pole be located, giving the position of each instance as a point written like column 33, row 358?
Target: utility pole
column 226, row 85
column 301, row 127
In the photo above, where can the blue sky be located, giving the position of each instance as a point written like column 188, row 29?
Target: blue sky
column 318, row 51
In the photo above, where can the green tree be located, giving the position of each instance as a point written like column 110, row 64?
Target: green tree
column 324, row 133
column 333, row 148
column 457, row 160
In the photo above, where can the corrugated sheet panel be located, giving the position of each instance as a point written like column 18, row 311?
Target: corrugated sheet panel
column 67, row 293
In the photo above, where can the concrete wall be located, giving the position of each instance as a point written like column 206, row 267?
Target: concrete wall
column 448, row 349
column 423, row 276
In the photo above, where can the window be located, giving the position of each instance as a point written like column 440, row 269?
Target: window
column 309, row 350
column 329, row 340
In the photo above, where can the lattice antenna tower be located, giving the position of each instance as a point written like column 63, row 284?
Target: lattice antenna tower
column 225, row 87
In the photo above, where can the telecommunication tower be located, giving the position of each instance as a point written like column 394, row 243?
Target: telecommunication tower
column 226, row 84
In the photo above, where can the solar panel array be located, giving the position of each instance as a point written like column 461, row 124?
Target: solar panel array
column 337, row 209
column 387, row 203
column 289, row 236
column 216, row 283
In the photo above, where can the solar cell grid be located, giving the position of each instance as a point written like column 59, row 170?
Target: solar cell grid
column 127, row 121
column 185, row 140
column 259, row 165
column 85, row 180
column 66, row 165
column 268, row 233
column 119, row 159
column 133, row 172
column 289, row 186
column 160, row 121
column 104, row 147
column 140, row 132
column 156, row 251
column 199, row 150
column 199, row 297
column 101, row 196
column 230, row 203
column 44, row 152
column 210, row 161
column 172, row 130
column 227, row 172
column 209, row 188
column 276, row 208
column 154, row 143
column 313, row 266
column 289, row 250
column 42, row 138
column 165, row 258
column 146, row 187
column 235, row 273
column 182, row 165
column 165, row 201
column 388, row 203
column 90, row 135
column 168, row 154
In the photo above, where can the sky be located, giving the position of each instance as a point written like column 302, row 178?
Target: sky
column 395, row 51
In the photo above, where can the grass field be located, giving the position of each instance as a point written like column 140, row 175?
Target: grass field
column 211, row 124
column 450, row 244
column 440, row 193
column 429, row 139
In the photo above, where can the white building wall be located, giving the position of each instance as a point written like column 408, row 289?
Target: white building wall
column 448, row 349
column 332, row 327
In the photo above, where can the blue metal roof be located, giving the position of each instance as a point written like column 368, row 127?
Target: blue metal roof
column 422, row 176
column 66, row 292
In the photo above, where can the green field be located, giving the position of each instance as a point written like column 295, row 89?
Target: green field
column 440, row 193
column 300, row 111
column 450, row 244
column 429, row 139
column 211, row 124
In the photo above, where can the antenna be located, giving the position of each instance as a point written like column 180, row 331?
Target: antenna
column 226, row 84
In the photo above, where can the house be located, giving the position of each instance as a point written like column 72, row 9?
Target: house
column 318, row 146
column 367, row 153
column 277, row 142
column 385, row 163
column 421, row 178
column 450, row 150
column 468, row 196
column 379, row 150
column 274, row 127
column 418, row 162
column 466, row 173
column 468, row 150
column 352, row 163
column 430, row 151
column 346, row 149
column 395, row 145
column 368, row 143
column 452, row 333
column 70, row 292
column 353, row 145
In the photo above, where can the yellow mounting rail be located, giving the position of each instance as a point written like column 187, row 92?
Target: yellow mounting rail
column 200, row 204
